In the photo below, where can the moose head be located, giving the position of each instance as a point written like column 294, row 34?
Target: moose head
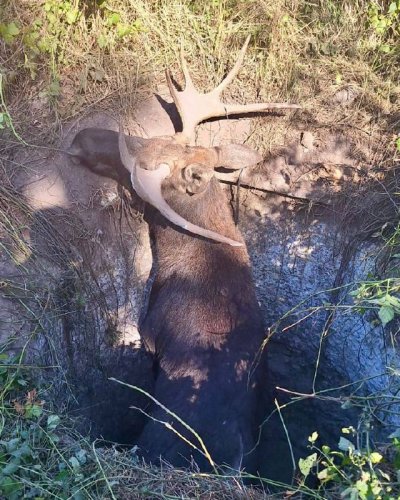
column 191, row 166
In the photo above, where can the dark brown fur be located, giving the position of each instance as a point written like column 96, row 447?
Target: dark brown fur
column 97, row 149
column 205, row 328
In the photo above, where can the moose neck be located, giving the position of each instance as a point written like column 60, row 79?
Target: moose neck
column 183, row 254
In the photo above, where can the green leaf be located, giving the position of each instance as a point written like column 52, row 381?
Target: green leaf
column 375, row 457
column 23, row 451
column 362, row 487
column 10, row 468
column 102, row 41
column 63, row 475
column 398, row 143
column 123, row 30
column 306, row 464
column 72, row 16
column 313, row 437
column 81, row 456
column 33, row 411
column 74, row 462
column 345, row 444
column 386, row 314
column 113, row 19
column 8, row 486
column 385, row 48
column 52, row 422
column 327, row 474
column 11, row 445
column 12, row 29
column 8, row 32
column 392, row 8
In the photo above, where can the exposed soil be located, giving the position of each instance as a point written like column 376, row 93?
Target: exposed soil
column 84, row 261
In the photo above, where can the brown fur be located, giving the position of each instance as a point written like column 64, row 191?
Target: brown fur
column 205, row 329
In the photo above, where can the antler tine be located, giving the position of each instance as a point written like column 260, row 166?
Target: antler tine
column 195, row 107
column 186, row 101
column 172, row 90
column 188, row 79
column 234, row 71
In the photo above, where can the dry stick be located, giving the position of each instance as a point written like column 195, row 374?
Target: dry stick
column 270, row 191
column 238, row 184
column 317, row 395
column 288, row 439
column 168, row 426
column 300, row 396
column 190, row 429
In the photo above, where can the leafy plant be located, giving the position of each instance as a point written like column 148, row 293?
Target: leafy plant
column 385, row 23
column 115, row 29
column 380, row 295
column 380, row 20
column 32, row 463
column 353, row 471
column 8, row 32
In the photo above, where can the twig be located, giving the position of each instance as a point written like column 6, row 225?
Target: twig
column 288, row 439
column 190, row 429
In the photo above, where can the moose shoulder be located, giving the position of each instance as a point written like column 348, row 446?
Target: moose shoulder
column 203, row 324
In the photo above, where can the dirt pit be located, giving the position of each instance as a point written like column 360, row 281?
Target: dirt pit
column 77, row 274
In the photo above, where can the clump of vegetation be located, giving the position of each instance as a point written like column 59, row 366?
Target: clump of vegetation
column 356, row 469
column 38, row 456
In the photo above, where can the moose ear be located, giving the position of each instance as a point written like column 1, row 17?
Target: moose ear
column 196, row 178
column 237, row 156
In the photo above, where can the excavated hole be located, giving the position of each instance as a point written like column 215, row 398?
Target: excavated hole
column 90, row 264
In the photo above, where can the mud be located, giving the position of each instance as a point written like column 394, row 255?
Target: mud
column 84, row 276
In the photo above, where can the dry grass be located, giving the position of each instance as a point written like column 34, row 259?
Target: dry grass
column 140, row 481
column 300, row 51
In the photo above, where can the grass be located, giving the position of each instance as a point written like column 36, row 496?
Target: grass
column 300, row 51
column 61, row 60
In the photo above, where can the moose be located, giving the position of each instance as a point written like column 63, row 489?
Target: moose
column 203, row 325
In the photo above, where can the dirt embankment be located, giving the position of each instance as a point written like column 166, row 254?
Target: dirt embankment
column 83, row 259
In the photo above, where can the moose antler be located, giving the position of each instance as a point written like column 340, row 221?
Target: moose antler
column 194, row 107
column 147, row 184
